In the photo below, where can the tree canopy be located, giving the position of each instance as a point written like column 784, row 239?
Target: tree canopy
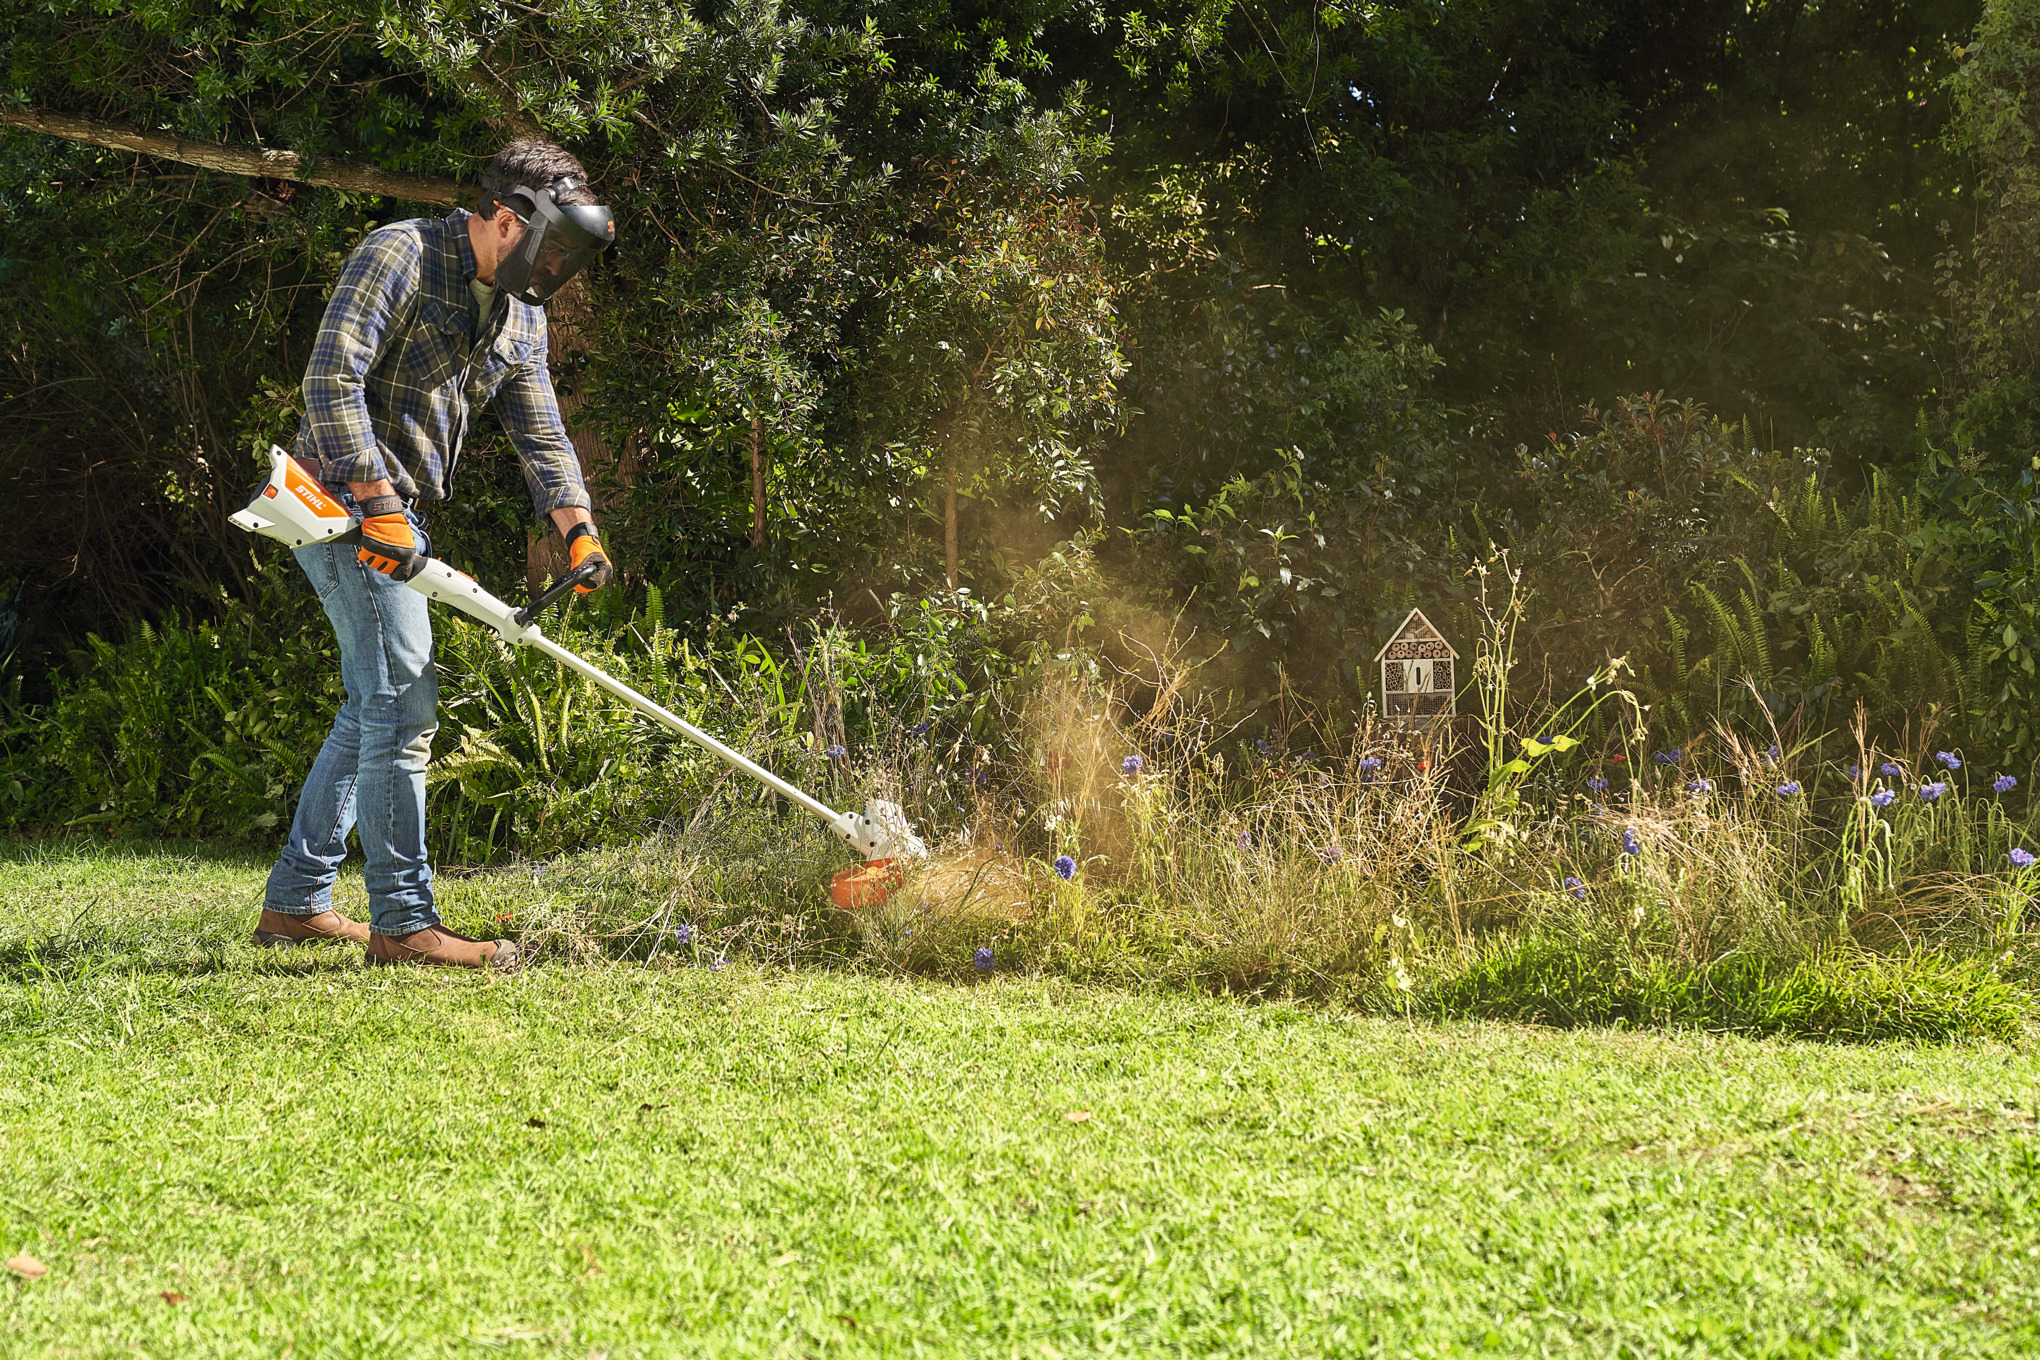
column 1277, row 291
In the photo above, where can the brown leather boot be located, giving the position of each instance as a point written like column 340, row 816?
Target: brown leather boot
column 278, row 931
column 438, row 947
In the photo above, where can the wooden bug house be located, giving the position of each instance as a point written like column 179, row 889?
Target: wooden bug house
column 1417, row 679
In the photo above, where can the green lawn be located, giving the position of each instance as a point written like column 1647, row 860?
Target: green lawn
column 218, row 1152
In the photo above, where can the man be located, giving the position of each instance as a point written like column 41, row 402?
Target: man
column 430, row 319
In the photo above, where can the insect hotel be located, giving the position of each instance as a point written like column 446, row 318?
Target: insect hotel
column 1416, row 674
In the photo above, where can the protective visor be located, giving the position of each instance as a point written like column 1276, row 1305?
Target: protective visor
column 558, row 242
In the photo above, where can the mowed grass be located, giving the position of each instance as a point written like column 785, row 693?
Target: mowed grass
column 222, row 1152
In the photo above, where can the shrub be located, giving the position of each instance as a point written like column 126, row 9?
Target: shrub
column 188, row 728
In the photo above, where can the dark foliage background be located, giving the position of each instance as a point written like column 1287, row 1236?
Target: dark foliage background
column 1268, row 317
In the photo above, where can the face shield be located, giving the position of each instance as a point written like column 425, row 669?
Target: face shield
column 558, row 242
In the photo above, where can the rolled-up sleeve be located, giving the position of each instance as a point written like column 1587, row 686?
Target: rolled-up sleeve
column 530, row 412
column 376, row 284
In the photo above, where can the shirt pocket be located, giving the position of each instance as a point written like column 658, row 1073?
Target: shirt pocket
column 506, row 356
column 435, row 349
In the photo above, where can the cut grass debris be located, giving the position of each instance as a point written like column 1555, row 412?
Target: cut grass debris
column 221, row 1152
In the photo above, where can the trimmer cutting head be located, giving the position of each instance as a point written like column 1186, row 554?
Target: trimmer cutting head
column 881, row 831
column 882, row 834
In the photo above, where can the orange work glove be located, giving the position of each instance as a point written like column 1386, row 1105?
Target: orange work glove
column 387, row 543
column 583, row 546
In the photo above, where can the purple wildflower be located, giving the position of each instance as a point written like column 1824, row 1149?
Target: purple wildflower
column 1855, row 770
column 1370, row 769
column 1597, row 783
column 1575, row 887
column 1131, row 765
column 1700, row 786
column 1929, row 792
column 1332, row 854
column 1630, row 845
column 1671, row 757
column 1949, row 759
column 1891, row 769
column 836, row 753
column 1065, row 867
column 684, row 935
column 1771, row 755
column 2022, row 859
column 1882, row 798
column 2004, row 783
column 1788, row 788
column 983, row 960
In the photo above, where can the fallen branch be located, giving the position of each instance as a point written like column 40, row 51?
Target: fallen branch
column 237, row 160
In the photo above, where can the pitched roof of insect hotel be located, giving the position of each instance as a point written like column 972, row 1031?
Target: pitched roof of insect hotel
column 1416, row 628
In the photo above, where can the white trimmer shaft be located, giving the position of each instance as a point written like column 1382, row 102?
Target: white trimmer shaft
column 293, row 508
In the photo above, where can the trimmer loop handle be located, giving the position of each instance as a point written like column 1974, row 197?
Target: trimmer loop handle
column 579, row 576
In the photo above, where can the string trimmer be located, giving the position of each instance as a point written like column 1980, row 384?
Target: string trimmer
column 293, row 508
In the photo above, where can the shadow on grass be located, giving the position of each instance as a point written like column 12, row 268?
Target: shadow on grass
column 16, row 850
column 72, row 960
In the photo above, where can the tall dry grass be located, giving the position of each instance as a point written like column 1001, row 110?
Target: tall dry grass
column 1135, row 838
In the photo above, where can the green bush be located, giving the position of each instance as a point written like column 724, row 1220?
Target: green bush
column 189, row 729
column 1742, row 583
column 201, row 730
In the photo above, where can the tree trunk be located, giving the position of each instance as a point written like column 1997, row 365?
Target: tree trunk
column 757, row 486
column 949, row 530
column 255, row 162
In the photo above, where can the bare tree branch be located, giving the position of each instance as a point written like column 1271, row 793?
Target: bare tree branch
column 237, row 160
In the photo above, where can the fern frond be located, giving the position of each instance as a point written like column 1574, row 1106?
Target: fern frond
column 1678, row 633
column 1820, row 659
column 1727, row 632
column 1760, row 642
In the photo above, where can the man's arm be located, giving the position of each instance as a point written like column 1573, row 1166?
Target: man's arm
column 530, row 412
column 567, row 516
column 375, row 285
column 564, row 518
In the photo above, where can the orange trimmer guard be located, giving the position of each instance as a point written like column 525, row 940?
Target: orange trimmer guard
column 866, row 885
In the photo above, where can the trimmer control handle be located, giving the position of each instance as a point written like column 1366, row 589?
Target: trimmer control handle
column 581, row 575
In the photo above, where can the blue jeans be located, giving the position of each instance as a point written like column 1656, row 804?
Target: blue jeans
column 370, row 774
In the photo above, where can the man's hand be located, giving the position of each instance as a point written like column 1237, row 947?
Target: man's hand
column 583, row 547
column 387, row 543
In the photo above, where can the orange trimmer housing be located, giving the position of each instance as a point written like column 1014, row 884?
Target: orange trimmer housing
column 866, row 885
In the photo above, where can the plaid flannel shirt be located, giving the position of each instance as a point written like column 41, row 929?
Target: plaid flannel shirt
column 393, row 377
